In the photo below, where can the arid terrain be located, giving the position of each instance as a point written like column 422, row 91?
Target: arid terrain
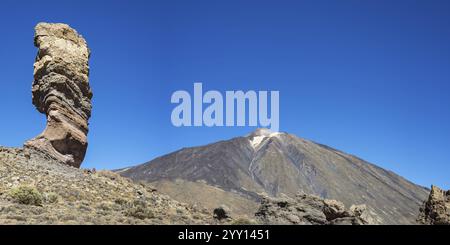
column 36, row 189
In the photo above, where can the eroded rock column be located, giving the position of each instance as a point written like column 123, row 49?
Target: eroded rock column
column 436, row 210
column 61, row 90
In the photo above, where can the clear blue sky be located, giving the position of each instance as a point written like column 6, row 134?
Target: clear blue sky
column 371, row 78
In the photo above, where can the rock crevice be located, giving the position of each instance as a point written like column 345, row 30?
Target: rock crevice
column 61, row 90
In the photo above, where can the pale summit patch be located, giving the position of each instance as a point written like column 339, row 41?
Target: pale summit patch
column 260, row 135
column 256, row 141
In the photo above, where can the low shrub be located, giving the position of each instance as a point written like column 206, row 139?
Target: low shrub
column 26, row 195
column 51, row 197
column 139, row 209
column 243, row 221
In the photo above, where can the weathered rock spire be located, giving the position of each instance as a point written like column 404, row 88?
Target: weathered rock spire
column 61, row 90
column 436, row 210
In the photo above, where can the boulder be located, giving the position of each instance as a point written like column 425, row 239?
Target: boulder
column 333, row 209
column 311, row 210
column 222, row 213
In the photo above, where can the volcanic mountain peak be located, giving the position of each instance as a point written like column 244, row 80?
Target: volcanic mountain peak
column 239, row 171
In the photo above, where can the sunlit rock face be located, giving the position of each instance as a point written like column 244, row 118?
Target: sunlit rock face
column 61, row 90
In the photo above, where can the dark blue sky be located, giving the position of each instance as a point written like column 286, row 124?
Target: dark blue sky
column 371, row 78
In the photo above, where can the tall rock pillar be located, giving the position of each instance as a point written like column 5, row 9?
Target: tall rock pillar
column 61, row 90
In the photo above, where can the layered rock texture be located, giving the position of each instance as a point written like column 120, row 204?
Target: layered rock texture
column 238, row 172
column 436, row 210
column 61, row 90
column 312, row 210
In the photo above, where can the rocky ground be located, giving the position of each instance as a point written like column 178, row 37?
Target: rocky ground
column 36, row 189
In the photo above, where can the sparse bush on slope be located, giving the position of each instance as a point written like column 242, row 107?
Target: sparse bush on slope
column 26, row 195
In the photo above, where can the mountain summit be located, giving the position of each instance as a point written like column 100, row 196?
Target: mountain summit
column 239, row 171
